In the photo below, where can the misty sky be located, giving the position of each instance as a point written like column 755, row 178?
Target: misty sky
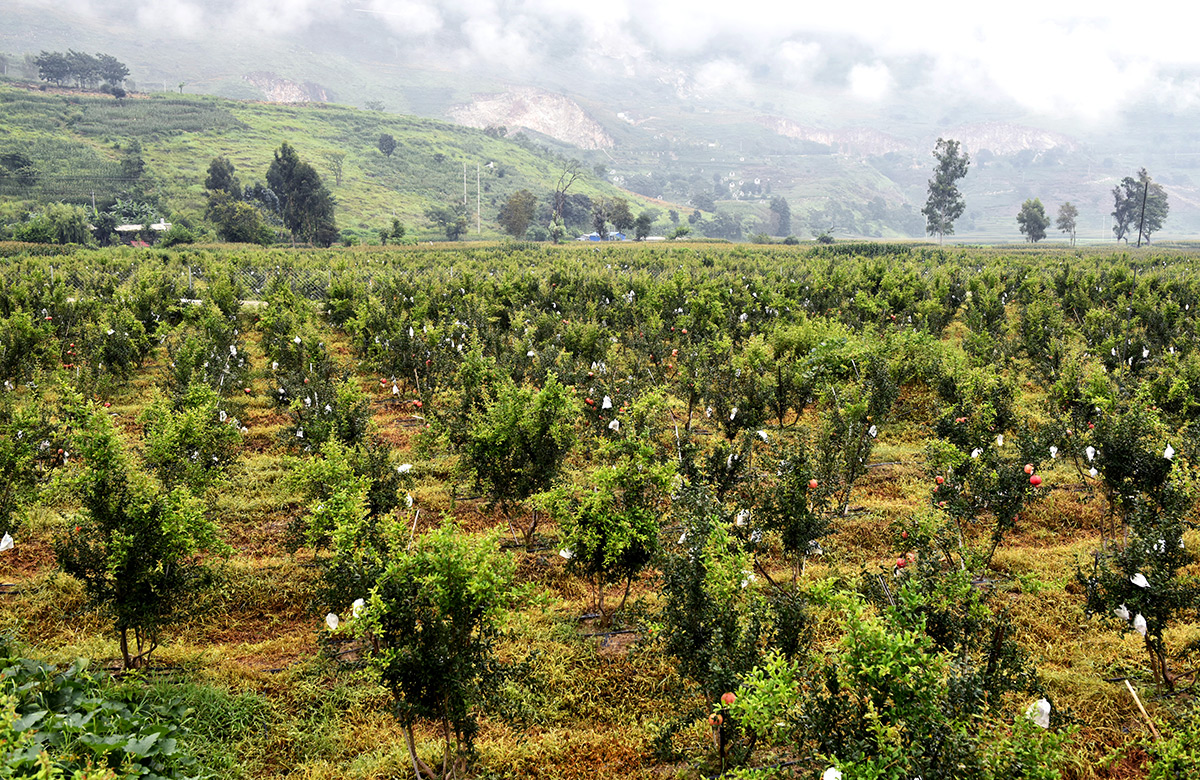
column 1078, row 60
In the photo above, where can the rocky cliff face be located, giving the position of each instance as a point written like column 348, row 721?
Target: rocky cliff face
column 544, row 112
column 1002, row 138
column 850, row 140
column 281, row 90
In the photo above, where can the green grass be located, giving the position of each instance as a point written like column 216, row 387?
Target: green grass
column 76, row 142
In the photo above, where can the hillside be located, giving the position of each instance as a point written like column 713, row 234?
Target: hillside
column 858, row 170
column 78, row 141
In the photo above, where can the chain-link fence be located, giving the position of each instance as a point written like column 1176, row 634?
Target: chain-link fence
column 307, row 283
column 84, row 275
column 254, row 283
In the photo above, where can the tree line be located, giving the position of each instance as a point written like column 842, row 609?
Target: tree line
column 1138, row 203
column 294, row 196
column 82, row 69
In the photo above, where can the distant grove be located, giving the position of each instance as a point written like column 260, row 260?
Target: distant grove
column 82, row 70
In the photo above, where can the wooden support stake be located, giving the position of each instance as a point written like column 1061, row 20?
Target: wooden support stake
column 1145, row 715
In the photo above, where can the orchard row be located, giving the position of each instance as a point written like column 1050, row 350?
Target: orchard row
column 697, row 416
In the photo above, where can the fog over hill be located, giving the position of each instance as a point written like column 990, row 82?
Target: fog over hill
column 830, row 107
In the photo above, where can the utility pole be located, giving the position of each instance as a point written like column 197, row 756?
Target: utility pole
column 1142, row 218
column 478, row 203
column 464, row 185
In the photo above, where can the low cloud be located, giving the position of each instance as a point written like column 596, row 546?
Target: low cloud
column 721, row 76
column 870, row 82
column 1072, row 58
column 181, row 18
column 409, row 17
column 799, row 60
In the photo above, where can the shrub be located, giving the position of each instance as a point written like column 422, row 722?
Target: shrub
column 298, row 356
column 175, row 235
column 792, row 510
column 192, row 445
column 1179, row 754
column 883, row 705
column 517, row 444
column 956, row 609
column 434, row 616
column 1139, row 575
column 114, row 346
column 342, row 298
column 349, row 491
column 712, row 619
column 739, row 392
column 612, row 533
column 329, row 410
column 29, row 442
column 134, row 547
column 26, row 346
column 208, row 350
column 715, row 621
column 850, row 418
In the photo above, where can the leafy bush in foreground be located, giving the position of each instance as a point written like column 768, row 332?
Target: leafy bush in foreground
column 886, row 703
column 68, row 721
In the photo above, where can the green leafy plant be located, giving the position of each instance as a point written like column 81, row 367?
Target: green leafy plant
column 714, row 620
column 434, row 616
column 329, row 410
column 1179, row 754
column 516, row 446
column 612, row 533
column 26, row 346
column 793, row 509
column 192, row 445
column 135, row 547
column 1139, row 574
column 70, row 722
column 884, row 704
column 208, row 348
column 981, row 467
column 30, row 440
column 347, row 513
column 851, row 414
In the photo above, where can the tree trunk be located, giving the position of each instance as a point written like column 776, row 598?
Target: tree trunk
column 128, row 662
column 412, row 750
column 529, row 532
column 628, row 585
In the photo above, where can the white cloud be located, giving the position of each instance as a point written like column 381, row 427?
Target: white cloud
column 280, row 16
column 408, row 17
column 722, row 76
column 1179, row 94
column 181, row 18
column 491, row 39
column 870, row 82
column 1085, row 58
column 799, row 60
column 1081, row 57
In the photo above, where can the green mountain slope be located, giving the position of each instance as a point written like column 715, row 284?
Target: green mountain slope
column 77, row 142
